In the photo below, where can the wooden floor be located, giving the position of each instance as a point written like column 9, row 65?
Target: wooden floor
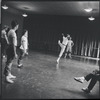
column 40, row 78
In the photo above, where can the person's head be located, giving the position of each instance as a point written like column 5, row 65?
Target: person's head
column 25, row 32
column 64, row 34
column 68, row 36
column 14, row 25
column 8, row 30
column 5, row 27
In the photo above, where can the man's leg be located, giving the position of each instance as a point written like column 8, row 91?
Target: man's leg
column 91, row 84
column 70, row 55
column 7, row 70
column 66, row 54
column 70, row 51
column 61, row 53
column 67, row 49
column 83, row 78
column 21, row 55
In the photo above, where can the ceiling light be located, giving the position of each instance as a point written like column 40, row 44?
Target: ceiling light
column 5, row 7
column 24, row 15
column 88, row 9
column 91, row 18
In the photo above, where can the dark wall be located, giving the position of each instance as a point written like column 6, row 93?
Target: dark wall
column 45, row 30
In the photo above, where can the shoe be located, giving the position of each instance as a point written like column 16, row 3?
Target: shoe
column 12, row 76
column 20, row 66
column 86, row 90
column 79, row 79
column 9, row 80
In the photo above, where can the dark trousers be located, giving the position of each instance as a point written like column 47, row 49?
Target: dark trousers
column 94, row 78
column 3, row 46
column 21, row 56
column 10, row 58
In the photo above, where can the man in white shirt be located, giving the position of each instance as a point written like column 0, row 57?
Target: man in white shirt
column 11, row 51
column 62, row 45
column 69, row 47
column 23, row 48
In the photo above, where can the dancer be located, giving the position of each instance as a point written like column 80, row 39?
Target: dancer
column 11, row 51
column 94, row 77
column 4, row 41
column 63, row 45
column 23, row 48
column 69, row 48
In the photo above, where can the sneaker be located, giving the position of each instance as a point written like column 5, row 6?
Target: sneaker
column 12, row 76
column 9, row 80
column 20, row 66
column 79, row 79
column 86, row 90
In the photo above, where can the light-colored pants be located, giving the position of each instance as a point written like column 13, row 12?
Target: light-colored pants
column 69, row 49
column 62, row 48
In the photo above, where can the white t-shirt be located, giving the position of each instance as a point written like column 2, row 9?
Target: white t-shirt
column 12, row 36
column 65, row 40
column 24, row 43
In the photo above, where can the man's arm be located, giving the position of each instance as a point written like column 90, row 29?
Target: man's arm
column 14, row 47
column 63, row 35
column 6, row 39
column 72, row 43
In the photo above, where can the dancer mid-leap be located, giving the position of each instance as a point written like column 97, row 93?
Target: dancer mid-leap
column 63, row 45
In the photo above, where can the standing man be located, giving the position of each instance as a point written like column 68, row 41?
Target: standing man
column 11, row 51
column 4, row 40
column 69, row 47
column 23, row 48
column 63, row 45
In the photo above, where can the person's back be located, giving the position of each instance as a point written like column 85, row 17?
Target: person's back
column 11, row 35
column 24, row 41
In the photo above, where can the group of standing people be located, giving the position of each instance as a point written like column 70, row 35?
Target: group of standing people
column 11, row 50
column 67, row 45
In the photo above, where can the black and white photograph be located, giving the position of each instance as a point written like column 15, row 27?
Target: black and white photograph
column 50, row 49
